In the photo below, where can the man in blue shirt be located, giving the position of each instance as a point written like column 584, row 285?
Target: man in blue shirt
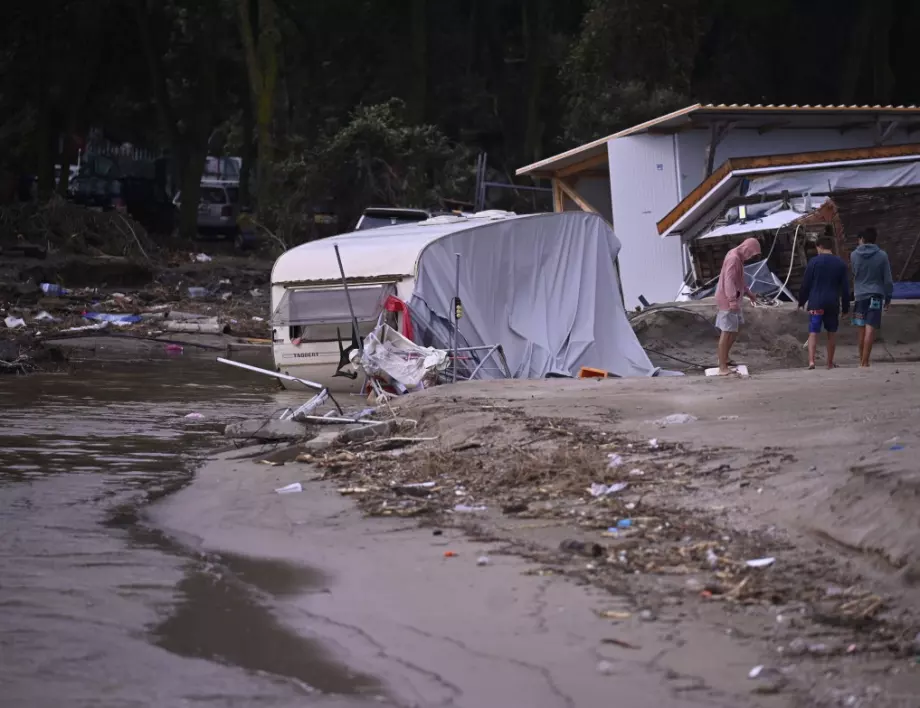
column 873, row 287
column 826, row 289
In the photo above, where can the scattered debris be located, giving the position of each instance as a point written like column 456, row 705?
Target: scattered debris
column 591, row 550
column 647, row 616
column 194, row 416
column 653, row 443
column 675, row 419
column 614, row 614
column 516, row 508
column 203, row 258
column 614, row 460
column 290, row 488
column 601, row 490
column 113, row 318
column 450, row 554
column 755, row 672
column 466, row 509
column 483, row 560
column 605, row 668
column 760, row 562
column 620, row 643
column 14, row 322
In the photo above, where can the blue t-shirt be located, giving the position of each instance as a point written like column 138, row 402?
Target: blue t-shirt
column 826, row 284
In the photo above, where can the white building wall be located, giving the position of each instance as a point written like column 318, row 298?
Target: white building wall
column 650, row 174
column 643, row 188
column 750, row 143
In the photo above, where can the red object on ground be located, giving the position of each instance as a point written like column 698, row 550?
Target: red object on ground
column 175, row 348
column 394, row 304
column 450, row 554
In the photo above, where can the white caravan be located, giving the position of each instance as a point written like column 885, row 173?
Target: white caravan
column 311, row 323
column 544, row 286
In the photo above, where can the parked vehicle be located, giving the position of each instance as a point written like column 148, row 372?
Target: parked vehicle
column 376, row 217
column 218, row 208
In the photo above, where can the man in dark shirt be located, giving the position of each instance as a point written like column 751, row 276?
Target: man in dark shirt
column 826, row 289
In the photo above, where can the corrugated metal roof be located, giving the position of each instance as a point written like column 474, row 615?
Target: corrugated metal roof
column 699, row 112
column 769, row 222
column 719, row 182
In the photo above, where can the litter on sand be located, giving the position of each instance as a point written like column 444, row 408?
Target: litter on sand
column 614, row 614
column 14, row 322
column 43, row 315
column 203, row 258
column 760, row 562
column 676, row 419
column 290, row 489
column 114, row 318
column 194, row 416
column 755, row 672
column 619, row 643
column 740, row 370
column 653, row 443
column 483, row 560
column 466, row 509
column 602, row 490
column 614, row 460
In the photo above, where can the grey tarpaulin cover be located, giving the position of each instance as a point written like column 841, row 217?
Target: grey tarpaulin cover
column 544, row 287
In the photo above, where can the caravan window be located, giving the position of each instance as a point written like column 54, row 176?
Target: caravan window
column 321, row 315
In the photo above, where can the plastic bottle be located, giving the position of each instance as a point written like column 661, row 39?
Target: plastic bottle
column 54, row 289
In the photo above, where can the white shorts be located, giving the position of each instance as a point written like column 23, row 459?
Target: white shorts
column 729, row 320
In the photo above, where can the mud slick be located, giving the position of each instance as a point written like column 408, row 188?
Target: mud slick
column 760, row 549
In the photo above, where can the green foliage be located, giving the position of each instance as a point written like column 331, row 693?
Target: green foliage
column 518, row 79
column 376, row 158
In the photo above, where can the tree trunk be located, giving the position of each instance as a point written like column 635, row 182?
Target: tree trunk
column 856, row 51
column 262, row 67
column 882, row 78
column 418, row 97
column 46, row 153
column 534, row 18
column 247, row 153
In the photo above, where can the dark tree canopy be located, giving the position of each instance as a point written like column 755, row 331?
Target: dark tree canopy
column 355, row 102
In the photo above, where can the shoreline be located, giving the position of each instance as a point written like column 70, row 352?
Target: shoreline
column 398, row 609
column 441, row 630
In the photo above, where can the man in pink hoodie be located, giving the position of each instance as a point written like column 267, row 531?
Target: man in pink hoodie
column 729, row 292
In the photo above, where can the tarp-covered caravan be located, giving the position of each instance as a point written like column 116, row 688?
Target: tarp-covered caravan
column 543, row 286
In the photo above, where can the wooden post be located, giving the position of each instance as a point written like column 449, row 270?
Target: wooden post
column 558, row 200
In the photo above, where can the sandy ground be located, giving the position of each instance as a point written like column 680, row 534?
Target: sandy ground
column 772, row 337
column 445, row 631
column 813, row 469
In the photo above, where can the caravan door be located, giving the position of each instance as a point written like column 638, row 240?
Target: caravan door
column 312, row 331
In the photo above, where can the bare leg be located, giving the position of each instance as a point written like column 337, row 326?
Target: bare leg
column 812, row 349
column 726, row 340
column 831, row 348
column 868, row 341
column 861, row 337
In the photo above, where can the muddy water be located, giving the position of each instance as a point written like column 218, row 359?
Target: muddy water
column 98, row 610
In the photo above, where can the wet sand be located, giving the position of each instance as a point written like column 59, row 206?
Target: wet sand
column 444, row 631
column 98, row 611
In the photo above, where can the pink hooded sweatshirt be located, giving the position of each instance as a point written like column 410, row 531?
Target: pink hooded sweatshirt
column 731, row 280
